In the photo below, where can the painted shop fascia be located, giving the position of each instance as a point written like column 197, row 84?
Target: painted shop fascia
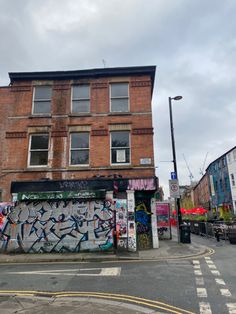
column 118, row 185
column 79, row 215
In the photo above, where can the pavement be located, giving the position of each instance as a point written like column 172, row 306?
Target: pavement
column 31, row 302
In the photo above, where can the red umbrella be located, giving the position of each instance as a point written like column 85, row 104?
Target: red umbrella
column 199, row 210
column 182, row 210
column 189, row 211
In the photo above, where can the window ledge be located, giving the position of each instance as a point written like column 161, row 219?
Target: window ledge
column 32, row 116
column 119, row 114
column 38, row 168
column 79, row 167
column 120, row 165
column 80, row 114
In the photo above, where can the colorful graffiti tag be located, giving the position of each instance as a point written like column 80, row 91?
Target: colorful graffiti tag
column 143, row 222
column 121, row 224
column 58, row 226
column 163, row 220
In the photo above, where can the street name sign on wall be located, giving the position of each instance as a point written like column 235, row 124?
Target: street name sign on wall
column 174, row 188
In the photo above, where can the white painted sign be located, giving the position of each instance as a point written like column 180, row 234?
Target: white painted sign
column 145, row 161
column 120, row 155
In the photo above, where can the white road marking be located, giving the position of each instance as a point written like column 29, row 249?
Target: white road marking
column 196, row 262
column 111, row 271
column 231, row 307
column 207, row 258
column 220, row 281
column 225, row 292
column 215, row 272
column 209, row 262
column 197, row 272
column 211, row 266
column 196, row 266
column 199, row 281
column 201, row 293
column 205, row 308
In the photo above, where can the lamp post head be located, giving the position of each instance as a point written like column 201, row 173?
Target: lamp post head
column 177, row 97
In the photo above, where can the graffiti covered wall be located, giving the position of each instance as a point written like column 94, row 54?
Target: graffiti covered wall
column 143, row 223
column 58, row 226
column 121, row 224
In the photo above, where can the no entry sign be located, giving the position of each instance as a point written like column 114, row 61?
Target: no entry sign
column 174, row 188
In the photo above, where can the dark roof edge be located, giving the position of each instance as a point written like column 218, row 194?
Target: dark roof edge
column 221, row 156
column 80, row 74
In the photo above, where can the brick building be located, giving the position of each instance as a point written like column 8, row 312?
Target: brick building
column 202, row 193
column 72, row 140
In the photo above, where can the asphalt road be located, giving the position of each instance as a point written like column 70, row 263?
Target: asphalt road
column 203, row 285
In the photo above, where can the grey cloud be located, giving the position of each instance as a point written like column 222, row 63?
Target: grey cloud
column 192, row 43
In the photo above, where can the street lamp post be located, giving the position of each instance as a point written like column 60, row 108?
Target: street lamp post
column 179, row 216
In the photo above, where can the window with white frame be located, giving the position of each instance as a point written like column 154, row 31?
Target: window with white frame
column 79, row 149
column 80, row 99
column 232, row 179
column 38, row 150
column 120, row 147
column 42, row 100
column 119, row 97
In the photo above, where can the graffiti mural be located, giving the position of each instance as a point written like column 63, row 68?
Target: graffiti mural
column 142, row 184
column 58, row 226
column 131, row 222
column 143, row 224
column 163, row 220
column 121, row 224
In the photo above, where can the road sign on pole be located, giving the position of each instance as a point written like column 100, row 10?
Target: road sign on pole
column 174, row 188
column 173, row 175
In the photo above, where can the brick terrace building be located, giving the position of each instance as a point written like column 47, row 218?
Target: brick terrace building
column 79, row 137
column 202, row 193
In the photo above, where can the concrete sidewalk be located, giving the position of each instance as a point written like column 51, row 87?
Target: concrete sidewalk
column 169, row 249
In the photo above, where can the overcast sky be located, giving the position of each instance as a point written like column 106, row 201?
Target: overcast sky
column 192, row 43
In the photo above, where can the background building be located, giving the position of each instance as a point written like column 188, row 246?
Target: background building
column 202, row 193
column 231, row 162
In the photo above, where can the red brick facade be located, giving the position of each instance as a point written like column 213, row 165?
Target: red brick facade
column 201, row 193
column 17, row 123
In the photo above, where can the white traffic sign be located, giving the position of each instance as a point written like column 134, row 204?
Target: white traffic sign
column 174, row 188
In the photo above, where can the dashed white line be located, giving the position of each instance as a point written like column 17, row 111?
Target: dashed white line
column 207, row 258
column 205, row 308
column 211, row 266
column 231, row 308
column 220, row 281
column 199, row 281
column 111, row 271
column 215, row 272
column 225, row 292
column 198, row 272
column 196, row 266
column 201, row 293
column 209, row 262
column 195, row 262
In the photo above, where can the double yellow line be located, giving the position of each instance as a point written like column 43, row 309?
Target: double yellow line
column 109, row 296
